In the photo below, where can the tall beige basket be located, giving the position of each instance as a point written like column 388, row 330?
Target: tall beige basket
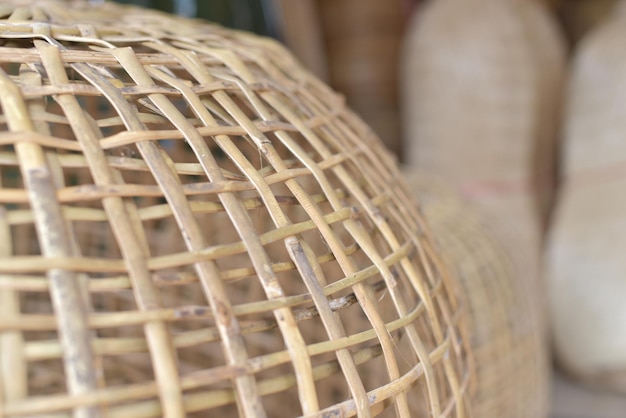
column 480, row 83
column 510, row 351
column 586, row 265
column 193, row 225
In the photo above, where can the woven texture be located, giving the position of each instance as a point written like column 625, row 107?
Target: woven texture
column 510, row 352
column 193, row 225
column 585, row 262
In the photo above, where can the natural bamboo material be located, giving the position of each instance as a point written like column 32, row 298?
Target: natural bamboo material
column 480, row 84
column 510, row 351
column 193, row 225
column 586, row 267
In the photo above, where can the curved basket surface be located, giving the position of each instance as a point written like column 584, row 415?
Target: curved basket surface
column 192, row 225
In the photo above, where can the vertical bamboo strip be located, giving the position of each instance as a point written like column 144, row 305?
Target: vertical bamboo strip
column 51, row 230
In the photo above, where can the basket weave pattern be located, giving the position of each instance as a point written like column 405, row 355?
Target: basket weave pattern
column 510, row 351
column 191, row 224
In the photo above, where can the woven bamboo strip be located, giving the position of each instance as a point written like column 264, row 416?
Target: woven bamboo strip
column 51, row 229
column 243, row 243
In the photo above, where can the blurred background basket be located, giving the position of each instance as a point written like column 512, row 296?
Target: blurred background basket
column 192, row 225
column 510, row 351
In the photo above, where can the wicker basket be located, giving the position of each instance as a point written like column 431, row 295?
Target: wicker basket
column 510, row 351
column 584, row 259
column 480, row 105
column 193, row 225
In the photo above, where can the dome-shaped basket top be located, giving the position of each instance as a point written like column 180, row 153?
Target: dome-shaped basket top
column 193, row 225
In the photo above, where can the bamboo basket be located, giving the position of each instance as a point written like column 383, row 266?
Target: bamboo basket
column 480, row 83
column 192, row 225
column 362, row 43
column 510, row 352
column 585, row 265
